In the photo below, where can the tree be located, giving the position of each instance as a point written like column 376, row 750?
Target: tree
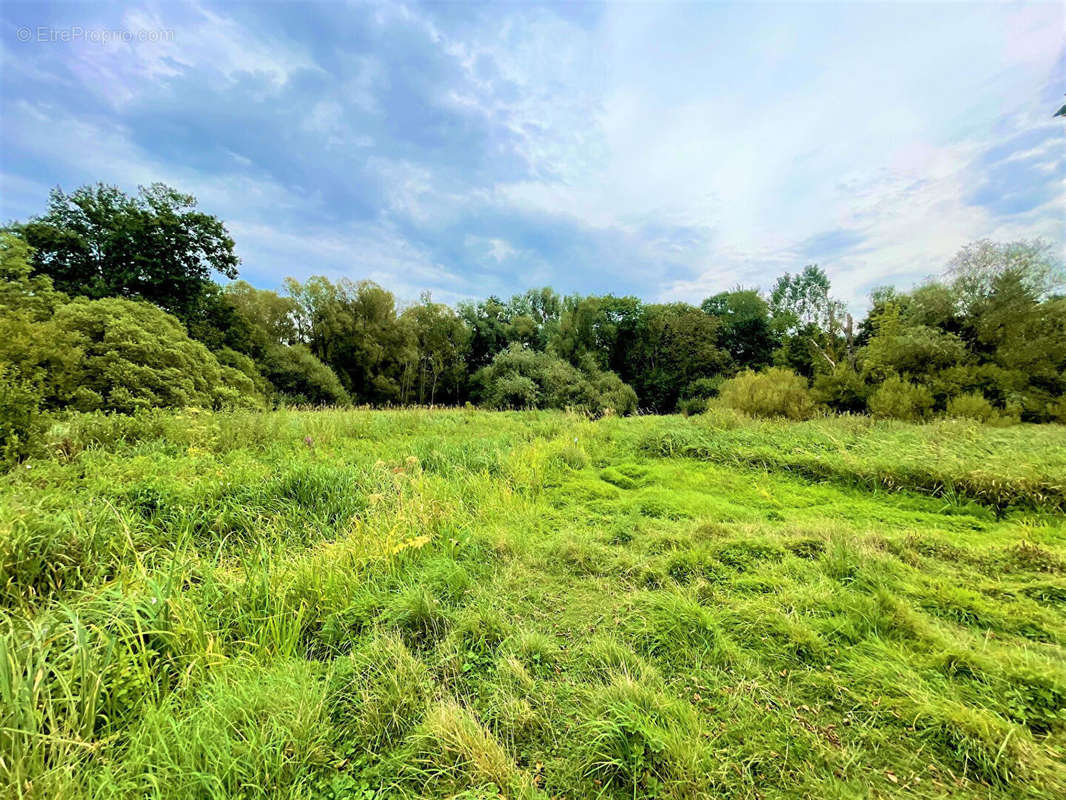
column 99, row 242
column 815, row 327
column 973, row 271
column 299, row 377
column 355, row 330
column 488, row 324
column 674, row 345
column 803, row 299
column 441, row 342
column 121, row 355
column 520, row 377
column 745, row 331
column 26, row 346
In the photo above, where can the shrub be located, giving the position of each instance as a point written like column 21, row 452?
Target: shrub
column 704, row 387
column 842, row 390
column 21, row 421
column 522, row 378
column 900, row 399
column 777, row 392
column 1057, row 410
column 692, row 405
column 301, row 378
column 974, row 406
column 123, row 355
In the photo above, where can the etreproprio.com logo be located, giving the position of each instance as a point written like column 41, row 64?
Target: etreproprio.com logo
column 77, row 33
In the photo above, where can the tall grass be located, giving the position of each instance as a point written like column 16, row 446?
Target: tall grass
column 328, row 604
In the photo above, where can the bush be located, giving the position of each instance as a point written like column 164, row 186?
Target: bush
column 123, row 355
column 704, row 387
column 21, row 421
column 777, row 392
column 842, row 390
column 522, row 378
column 692, row 405
column 1057, row 410
column 974, row 406
column 900, row 399
column 301, row 378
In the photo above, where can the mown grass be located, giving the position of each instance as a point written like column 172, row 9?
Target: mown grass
column 467, row 604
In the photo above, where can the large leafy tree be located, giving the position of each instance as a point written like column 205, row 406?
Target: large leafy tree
column 675, row 345
column 974, row 272
column 355, row 329
column 746, row 330
column 441, row 342
column 156, row 246
column 804, row 299
column 815, row 327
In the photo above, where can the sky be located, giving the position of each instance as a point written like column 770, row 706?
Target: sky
column 666, row 150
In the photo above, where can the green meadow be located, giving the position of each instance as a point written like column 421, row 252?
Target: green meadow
column 472, row 604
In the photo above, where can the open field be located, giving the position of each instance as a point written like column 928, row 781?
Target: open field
column 361, row 604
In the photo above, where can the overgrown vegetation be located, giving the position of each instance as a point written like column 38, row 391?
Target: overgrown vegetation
column 108, row 302
column 338, row 603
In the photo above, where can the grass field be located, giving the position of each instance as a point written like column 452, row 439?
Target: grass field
column 364, row 604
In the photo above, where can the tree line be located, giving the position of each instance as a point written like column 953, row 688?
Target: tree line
column 112, row 302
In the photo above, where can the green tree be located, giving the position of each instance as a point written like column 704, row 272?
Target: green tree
column 354, row 328
column 442, row 340
column 746, row 330
column 815, row 328
column 121, row 355
column 99, row 242
column 601, row 327
column 674, row 345
column 300, row 378
column 804, row 299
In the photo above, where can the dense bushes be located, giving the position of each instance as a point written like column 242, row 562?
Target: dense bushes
column 897, row 398
column 301, row 378
column 975, row 406
column 522, row 378
column 134, row 355
column 21, row 421
column 777, row 392
column 987, row 341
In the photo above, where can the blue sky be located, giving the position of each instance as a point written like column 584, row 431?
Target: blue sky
column 665, row 150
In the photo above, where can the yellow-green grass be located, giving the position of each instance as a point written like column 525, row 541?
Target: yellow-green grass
column 357, row 604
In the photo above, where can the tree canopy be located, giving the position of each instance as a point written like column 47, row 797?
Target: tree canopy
column 109, row 302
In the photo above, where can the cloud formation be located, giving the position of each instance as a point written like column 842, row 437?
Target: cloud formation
column 669, row 151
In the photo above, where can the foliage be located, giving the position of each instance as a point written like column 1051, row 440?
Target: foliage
column 898, row 398
column 675, row 344
column 21, row 420
column 522, row 378
column 976, row 269
column 747, row 332
column 99, row 242
column 452, row 603
column 842, row 390
column 300, row 378
column 991, row 324
column 441, row 342
column 775, row 392
column 974, row 406
column 803, row 299
column 354, row 328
